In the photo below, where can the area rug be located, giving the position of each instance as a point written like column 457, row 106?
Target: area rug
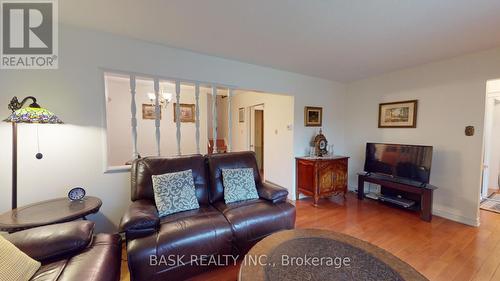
column 288, row 262
column 492, row 203
column 313, row 254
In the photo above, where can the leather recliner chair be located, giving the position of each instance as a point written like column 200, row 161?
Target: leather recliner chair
column 215, row 229
column 70, row 252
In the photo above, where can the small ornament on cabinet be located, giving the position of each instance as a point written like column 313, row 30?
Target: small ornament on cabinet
column 320, row 144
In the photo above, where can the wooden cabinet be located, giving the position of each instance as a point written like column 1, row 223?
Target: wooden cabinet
column 321, row 176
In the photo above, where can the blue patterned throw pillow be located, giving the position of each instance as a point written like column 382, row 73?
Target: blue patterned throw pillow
column 174, row 192
column 239, row 185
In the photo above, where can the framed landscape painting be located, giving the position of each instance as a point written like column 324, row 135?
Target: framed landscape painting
column 149, row 112
column 313, row 116
column 188, row 112
column 401, row 114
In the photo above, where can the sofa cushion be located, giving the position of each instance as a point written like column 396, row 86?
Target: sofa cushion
column 14, row 264
column 233, row 160
column 144, row 168
column 255, row 219
column 101, row 261
column 239, row 185
column 200, row 232
column 55, row 241
column 174, row 192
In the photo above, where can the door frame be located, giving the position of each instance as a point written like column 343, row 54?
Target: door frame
column 488, row 126
column 251, row 128
column 261, row 135
column 251, row 116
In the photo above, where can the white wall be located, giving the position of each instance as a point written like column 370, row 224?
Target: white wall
column 279, row 165
column 75, row 152
column 118, row 122
column 451, row 96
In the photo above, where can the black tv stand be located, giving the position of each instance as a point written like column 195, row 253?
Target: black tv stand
column 421, row 194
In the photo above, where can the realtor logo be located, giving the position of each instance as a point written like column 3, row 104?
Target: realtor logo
column 29, row 34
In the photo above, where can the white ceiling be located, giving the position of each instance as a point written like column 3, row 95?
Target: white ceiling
column 340, row 40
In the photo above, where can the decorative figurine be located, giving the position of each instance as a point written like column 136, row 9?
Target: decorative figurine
column 320, row 144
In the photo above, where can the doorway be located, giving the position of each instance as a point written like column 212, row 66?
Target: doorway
column 273, row 148
column 259, row 138
column 257, row 134
column 490, row 196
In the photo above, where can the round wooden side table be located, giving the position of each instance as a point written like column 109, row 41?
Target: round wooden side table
column 48, row 212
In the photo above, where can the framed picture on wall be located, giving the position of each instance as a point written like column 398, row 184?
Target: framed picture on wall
column 188, row 112
column 313, row 116
column 401, row 114
column 148, row 112
column 241, row 115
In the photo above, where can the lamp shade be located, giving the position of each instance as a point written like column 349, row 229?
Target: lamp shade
column 33, row 114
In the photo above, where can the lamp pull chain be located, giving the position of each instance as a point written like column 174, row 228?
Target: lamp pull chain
column 38, row 155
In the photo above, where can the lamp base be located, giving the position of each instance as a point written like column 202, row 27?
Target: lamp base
column 14, row 165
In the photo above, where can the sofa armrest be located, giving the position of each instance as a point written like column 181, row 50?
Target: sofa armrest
column 273, row 193
column 140, row 219
column 55, row 241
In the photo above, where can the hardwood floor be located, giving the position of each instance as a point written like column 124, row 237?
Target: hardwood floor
column 441, row 250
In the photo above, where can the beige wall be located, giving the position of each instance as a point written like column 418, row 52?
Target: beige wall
column 222, row 125
column 451, row 96
column 278, row 133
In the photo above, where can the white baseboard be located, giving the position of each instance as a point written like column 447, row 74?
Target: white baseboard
column 451, row 214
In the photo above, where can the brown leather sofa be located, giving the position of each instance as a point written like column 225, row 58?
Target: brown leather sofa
column 70, row 252
column 215, row 229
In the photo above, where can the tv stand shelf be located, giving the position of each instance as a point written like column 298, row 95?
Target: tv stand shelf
column 421, row 194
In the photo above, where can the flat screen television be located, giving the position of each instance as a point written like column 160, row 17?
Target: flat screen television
column 400, row 161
